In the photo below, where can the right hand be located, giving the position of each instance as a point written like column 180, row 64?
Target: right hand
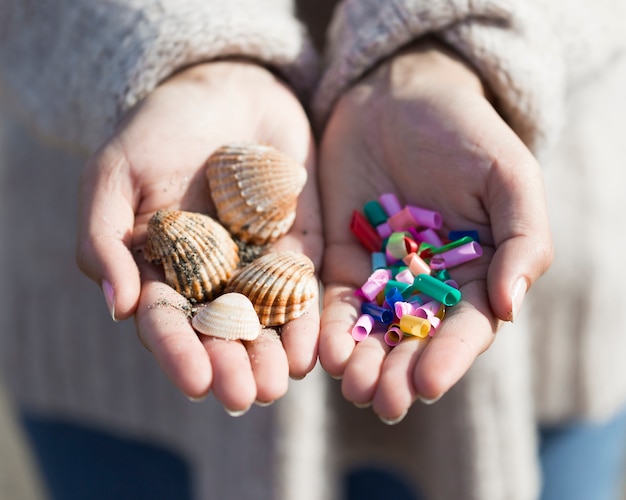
column 154, row 160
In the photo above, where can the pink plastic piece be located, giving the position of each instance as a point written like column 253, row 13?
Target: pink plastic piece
column 390, row 203
column 405, row 276
column 456, row 256
column 416, row 264
column 384, row 230
column 431, row 237
column 426, row 218
column 375, row 283
column 362, row 327
column 393, row 336
column 402, row 308
column 429, row 309
column 402, row 220
column 435, row 321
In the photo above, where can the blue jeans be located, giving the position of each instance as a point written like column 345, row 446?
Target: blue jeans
column 80, row 463
column 584, row 462
column 579, row 462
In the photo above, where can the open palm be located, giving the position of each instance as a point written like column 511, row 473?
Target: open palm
column 420, row 126
column 156, row 160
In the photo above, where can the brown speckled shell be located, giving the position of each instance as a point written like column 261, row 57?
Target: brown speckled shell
column 197, row 253
column 280, row 285
column 255, row 189
column 230, row 316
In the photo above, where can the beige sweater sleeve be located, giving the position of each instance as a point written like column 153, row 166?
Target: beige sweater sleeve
column 73, row 67
column 530, row 53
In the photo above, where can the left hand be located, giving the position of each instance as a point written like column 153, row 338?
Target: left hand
column 421, row 126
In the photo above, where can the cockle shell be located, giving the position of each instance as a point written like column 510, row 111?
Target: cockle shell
column 255, row 189
column 230, row 316
column 281, row 286
column 197, row 253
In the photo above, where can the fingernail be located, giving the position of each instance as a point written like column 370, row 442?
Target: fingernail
column 198, row 399
column 236, row 413
column 362, row 406
column 517, row 297
column 432, row 401
column 109, row 296
column 263, row 404
column 393, row 421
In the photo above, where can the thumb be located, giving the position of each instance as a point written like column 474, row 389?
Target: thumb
column 521, row 232
column 105, row 231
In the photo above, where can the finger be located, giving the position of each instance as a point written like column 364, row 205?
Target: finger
column 467, row 330
column 163, row 327
column 233, row 379
column 301, row 340
column 339, row 314
column 362, row 373
column 105, row 231
column 269, row 366
column 396, row 391
column 521, row 231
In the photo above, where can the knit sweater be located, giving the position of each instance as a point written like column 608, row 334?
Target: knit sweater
column 73, row 68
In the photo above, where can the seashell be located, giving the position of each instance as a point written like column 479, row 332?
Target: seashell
column 255, row 189
column 230, row 316
column 281, row 286
column 197, row 253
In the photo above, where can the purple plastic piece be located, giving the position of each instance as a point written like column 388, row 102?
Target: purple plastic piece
column 390, row 203
column 430, row 236
column 384, row 230
column 456, row 256
column 426, row 218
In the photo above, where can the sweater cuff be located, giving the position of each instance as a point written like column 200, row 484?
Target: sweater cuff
column 75, row 71
column 509, row 45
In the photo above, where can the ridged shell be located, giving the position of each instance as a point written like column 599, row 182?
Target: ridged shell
column 255, row 189
column 230, row 316
column 280, row 285
column 197, row 253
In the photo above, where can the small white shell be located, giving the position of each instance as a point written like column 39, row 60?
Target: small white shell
column 255, row 189
column 230, row 316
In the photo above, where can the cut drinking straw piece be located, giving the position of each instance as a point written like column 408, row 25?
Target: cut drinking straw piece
column 393, row 336
column 363, row 327
column 436, row 289
column 412, row 325
column 456, row 256
column 390, row 203
column 379, row 313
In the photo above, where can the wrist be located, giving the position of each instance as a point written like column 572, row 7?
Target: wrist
column 222, row 71
column 426, row 63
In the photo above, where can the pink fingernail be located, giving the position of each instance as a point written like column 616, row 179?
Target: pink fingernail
column 393, row 421
column 109, row 296
column 236, row 413
column 517, row 297
column 432, row 401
